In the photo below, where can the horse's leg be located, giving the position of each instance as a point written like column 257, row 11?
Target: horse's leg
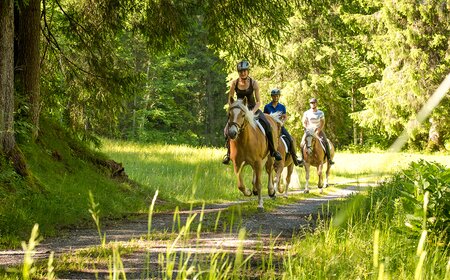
column 257, row 170
column 319, row 174
column 269, row 170
column 255, row 188
column 277, row 180
column 241, row 186
column 307, row 166
column 290, row 169
column 327, row 173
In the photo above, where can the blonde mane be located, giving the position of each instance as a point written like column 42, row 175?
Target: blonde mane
column 249, row 115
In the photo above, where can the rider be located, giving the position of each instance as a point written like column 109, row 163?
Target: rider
column 315, row 118
column 245, row 86
column 276, row 106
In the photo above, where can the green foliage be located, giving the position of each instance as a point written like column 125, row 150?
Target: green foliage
column 414, row 200
column 425, row 192
column 407, row 40
column 63, row 173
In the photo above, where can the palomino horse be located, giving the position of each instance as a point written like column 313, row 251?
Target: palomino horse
column 249, row 146
column 314, row 154
column 287, row 162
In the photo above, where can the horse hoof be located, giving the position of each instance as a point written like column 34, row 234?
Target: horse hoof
column 320, row 190
column 255, row 192
column 260, row 209
column 306, row 191
column 272, row 195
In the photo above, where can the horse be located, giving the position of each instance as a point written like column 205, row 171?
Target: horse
column 314, row 154
column 287, row 162
column 249, row 146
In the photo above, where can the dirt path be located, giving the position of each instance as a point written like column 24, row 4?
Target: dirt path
column 261, row 229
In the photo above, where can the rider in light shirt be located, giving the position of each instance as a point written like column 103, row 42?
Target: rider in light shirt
column 315, row 118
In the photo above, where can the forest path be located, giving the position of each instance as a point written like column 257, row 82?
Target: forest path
column 264, row 231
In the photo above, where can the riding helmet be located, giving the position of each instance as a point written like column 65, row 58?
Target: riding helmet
column 243, row 65
column 275, row 91
column 313, row 100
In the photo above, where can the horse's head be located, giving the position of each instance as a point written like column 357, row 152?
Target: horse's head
column 238, row 116
column 310, row 138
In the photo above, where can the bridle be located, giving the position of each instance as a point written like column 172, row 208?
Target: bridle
column 239, row 127
column 309, row 144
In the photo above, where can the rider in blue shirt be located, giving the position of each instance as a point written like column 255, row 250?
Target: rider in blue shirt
column 276, row 106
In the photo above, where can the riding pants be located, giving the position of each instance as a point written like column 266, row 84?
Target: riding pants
column 268, row 129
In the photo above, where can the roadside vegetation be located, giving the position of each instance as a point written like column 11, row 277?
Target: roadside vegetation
column 397, row 230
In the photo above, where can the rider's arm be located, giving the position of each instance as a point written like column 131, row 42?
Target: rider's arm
column 321, row 125
column 305, row 120
column 257, row 97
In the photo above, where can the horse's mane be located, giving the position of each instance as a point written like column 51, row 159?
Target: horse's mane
column 276, row 116
column 249, row 115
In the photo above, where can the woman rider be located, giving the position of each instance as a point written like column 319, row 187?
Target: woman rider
column 245, row 86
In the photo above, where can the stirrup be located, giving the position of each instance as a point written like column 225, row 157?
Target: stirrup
column 226, row 159
column 330, row 162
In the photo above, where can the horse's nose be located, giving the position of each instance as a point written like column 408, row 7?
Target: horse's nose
column 232, row 132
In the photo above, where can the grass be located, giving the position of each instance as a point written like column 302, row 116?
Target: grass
column 356, row 244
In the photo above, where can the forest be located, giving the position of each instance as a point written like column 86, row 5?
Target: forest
column 158, row 71
column 113, row 109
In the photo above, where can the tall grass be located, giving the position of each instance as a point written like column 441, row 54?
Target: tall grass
column 366, row 238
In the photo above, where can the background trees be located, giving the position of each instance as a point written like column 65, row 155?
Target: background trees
column 157, row 70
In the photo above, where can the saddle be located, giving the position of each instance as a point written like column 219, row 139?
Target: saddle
column 258, row 123
column 286, row 142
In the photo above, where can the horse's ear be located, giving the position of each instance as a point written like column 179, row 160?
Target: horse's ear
column 245, row 100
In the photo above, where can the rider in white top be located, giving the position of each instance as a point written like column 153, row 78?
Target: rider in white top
column 315, row 118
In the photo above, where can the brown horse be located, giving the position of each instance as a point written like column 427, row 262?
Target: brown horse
column 314, row 154
column 287, row 162
column 249, row 146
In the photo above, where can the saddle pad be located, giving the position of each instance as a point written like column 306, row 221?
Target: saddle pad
column 261, row 127
column 284, row 143
column 321, row 144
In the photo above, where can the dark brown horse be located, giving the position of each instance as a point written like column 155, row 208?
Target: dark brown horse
column 314, row 154
column 287, row 162
column 249, row 146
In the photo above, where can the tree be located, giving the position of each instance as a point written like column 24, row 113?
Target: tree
column 27, row 59
column 412, row 41
column 7, row 141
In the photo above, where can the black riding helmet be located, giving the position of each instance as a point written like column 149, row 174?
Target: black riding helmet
column 243, row 65
column 275, row 91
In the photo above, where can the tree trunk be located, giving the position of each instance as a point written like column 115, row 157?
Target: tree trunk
column 433, row 136
column 7, row 141
column 355, row 129
column 28, row 59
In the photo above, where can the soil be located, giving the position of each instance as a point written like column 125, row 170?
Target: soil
column 265, row 229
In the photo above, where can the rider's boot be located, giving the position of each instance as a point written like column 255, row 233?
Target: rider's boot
column 273, row 152
column 226, row 158
column 327, row 151
column 294, row 153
